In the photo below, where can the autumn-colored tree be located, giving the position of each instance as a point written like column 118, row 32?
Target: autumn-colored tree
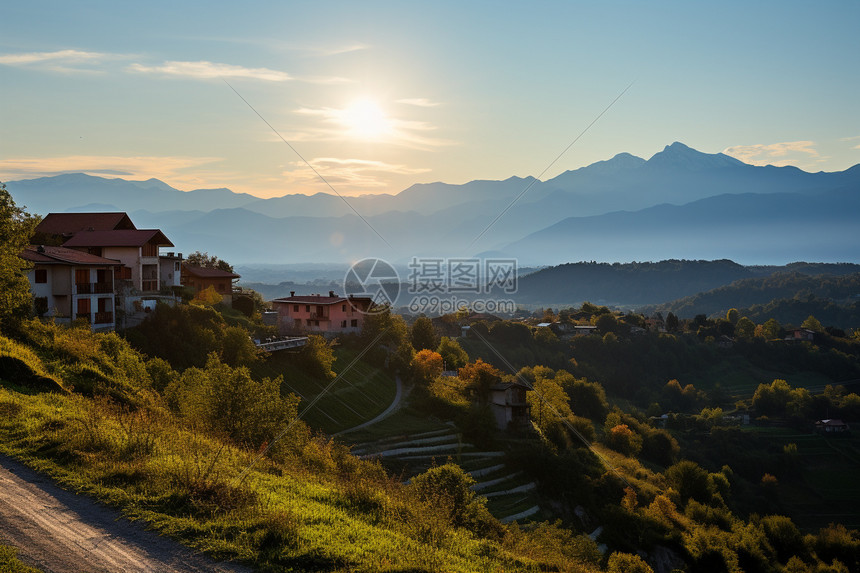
column 207, row 297
column 480, row 377
column 427, row 365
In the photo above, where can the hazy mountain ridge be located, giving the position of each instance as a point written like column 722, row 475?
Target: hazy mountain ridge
column 680, row 203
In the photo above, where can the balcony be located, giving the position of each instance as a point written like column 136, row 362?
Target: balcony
column 104, row 318
column 316, row 316
column 93, row 288
column 149, row 285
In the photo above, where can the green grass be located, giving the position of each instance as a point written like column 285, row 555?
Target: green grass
column 9, row 562
column 363, row 392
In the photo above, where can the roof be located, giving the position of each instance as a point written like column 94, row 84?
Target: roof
column 831, row 423
column 507, row 385
column 71, row 223
column 118, row 238
column 209, row 273
column 320, row 299
column 63, row 256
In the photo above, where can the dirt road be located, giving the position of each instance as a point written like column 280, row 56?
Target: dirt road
column 61, row 532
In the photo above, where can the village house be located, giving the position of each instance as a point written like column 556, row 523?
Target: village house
column 69, row 284
column 201, row 278
column 832, row 427
column 509, row 405
column 327, row 315
column 138, row 266
column 801, row 334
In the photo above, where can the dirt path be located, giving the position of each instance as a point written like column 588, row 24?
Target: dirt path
column 399, row 395
column 61, row 532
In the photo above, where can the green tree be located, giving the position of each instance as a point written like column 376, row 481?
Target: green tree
column 745, row 328
column 733, row 316
column 627, row 563
column 605, row 323
column 317, row 357
column 672, row 323
column 771, row 329
column 204, row 259
column 453, row 355
column 16, row 228
column 424, row 336
column 388, row 336
column 812, row 323
column 691, row 481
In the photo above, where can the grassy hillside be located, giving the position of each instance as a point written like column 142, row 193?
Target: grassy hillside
column 306, row 505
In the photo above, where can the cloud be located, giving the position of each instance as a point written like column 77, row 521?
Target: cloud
column 63, row 61
column 207, row 70
column 418, row 101
column 360, row 173
column 337, row 124
column 70, row 56
column 167, row 168
column 778, row 154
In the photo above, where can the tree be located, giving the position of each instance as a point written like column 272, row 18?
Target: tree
column 204, row 259
column 480, row 377
column 427, row 365
column 733, row 316
column 605, row 323
column 424, row 334
column 627, row 563
column 453, row 355
column 771, row 329
column 671, row 322
column 745, row 328
column 16, row 228
column 207, row 297
column 812, row 323
column 691, row 481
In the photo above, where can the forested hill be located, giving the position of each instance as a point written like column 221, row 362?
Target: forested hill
column 787, row 296
column 652, row 283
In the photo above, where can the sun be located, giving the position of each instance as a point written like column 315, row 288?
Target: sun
column 365, row 119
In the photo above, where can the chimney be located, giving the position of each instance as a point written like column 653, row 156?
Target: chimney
column 292, row 293
column 331, row 293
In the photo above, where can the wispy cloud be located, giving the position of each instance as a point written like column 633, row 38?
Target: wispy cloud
column 355, row 173
column 337, row 124
column 418, row 101
column 63, row 61
column 208, row 70
column 778, row 154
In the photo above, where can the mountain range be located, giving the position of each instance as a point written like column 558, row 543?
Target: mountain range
column 680, row 203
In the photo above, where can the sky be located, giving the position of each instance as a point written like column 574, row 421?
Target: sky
column 270, row 98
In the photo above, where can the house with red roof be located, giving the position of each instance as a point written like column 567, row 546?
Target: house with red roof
column 68, row 284
column 327, row 315
column 201, row 278
column 140, row 271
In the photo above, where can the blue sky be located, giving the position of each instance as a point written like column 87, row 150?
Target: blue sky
column 377, row 96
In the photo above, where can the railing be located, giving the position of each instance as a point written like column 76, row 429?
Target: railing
column 315, row 316
column 94, row 288
column 104, row 318
column 149, row 285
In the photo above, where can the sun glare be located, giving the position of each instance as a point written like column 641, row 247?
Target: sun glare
column 364, row 119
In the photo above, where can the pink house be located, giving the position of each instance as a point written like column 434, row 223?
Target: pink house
column 327, row 315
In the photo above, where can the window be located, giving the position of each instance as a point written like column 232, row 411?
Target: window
column 354, row 323
column 176, row 266
column 307, row 308
column 41, row 275
column 295, row 308
column 343, row 324
column 149, row 250
column 343, row 307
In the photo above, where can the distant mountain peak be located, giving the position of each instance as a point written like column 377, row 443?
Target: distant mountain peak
column 680, row 156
